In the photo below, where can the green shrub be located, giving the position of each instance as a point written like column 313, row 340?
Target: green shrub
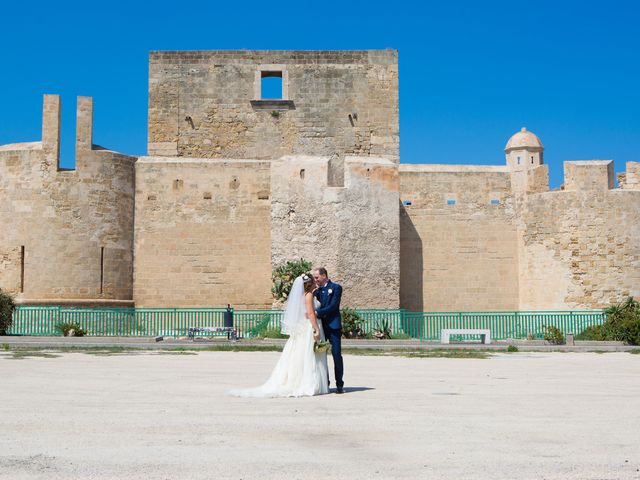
column 265, row 329
column 594, row 332
column 512, row 348
column 351, row 323
column 284, row 275
column 7, row 306
column 553, row 335
column 68, row 329
column 622, row 324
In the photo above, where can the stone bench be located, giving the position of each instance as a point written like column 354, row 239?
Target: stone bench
column 485, row 334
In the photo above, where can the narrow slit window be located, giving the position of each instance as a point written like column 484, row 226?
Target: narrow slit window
column 531, row 160
column 101, row 269
column 271, row 86
column 22, row 269
column 451, row 202
column 495, row 201
column 518, row 160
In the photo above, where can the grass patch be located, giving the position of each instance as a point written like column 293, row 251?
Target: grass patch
column 6, row 347
column 418, row 353
column 49, row 352
column 175, row 352
column 400, row 336
column 635, row 351
column 107, row 351
column 240, row 348
column 512, row 349
column 22, row 354
column 100, row 351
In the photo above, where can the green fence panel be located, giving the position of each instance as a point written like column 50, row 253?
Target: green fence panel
column 176, row 322
column 35, row 321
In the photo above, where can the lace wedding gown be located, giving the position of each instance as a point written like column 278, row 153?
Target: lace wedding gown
column 300, row 371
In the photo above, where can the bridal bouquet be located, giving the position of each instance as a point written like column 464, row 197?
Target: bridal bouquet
column 321, row 346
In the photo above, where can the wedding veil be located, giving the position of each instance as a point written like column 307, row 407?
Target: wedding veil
column 295, row 310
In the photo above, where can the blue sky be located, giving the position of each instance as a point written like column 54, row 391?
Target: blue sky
column 471, row 73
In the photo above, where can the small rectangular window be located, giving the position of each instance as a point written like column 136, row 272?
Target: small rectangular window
column 495, row 202
column 451, row 202
column 271, row 86
column 518, row 160
column 532, row 160
column 406, row 202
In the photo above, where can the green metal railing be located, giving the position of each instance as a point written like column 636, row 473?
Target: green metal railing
column 503, row 325
column 176, row 322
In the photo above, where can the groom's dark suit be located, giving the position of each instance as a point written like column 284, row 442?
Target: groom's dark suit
column 329, row 313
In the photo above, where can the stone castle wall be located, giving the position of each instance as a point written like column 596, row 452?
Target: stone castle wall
column 76, row 226
column 209, row 232
column 458, row 247
column 231, row 190
column 202, row 233
column 580, row 247
column 353, row 230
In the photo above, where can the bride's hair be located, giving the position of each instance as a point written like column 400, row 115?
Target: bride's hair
column 307, row 279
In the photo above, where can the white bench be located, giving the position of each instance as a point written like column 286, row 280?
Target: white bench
column 485, row 334
column 232, row 333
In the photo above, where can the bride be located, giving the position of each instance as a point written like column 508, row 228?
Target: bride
column 300, row 371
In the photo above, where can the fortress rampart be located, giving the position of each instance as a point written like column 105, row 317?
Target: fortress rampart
column 67, row 234
column 235, row 184
column 580, row 247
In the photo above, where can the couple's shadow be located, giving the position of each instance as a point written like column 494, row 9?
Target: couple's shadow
column 352, row 389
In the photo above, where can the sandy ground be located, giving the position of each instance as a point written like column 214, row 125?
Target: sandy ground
column 165, row 416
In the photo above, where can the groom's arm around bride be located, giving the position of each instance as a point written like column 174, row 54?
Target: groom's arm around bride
column 332, row 308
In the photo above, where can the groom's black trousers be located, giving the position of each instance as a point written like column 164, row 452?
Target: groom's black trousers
column 335, row 338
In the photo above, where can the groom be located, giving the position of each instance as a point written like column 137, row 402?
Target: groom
column 329, row 294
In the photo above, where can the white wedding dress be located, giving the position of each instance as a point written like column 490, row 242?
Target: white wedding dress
column 300, row 371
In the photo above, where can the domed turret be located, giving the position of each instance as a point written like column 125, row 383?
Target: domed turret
column 524, row 150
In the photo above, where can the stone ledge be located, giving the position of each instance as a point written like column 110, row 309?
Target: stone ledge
column 75, row 302
column 446, row 168
column 273, row 104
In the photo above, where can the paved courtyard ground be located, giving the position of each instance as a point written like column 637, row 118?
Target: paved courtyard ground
column 159, row 415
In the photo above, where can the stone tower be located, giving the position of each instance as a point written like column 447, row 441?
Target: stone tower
column 524, row 151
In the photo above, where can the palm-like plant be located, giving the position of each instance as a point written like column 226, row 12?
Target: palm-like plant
column 382, row 330
column 623, row 322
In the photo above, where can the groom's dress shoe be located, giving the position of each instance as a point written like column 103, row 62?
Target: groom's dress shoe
column 339, row 390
